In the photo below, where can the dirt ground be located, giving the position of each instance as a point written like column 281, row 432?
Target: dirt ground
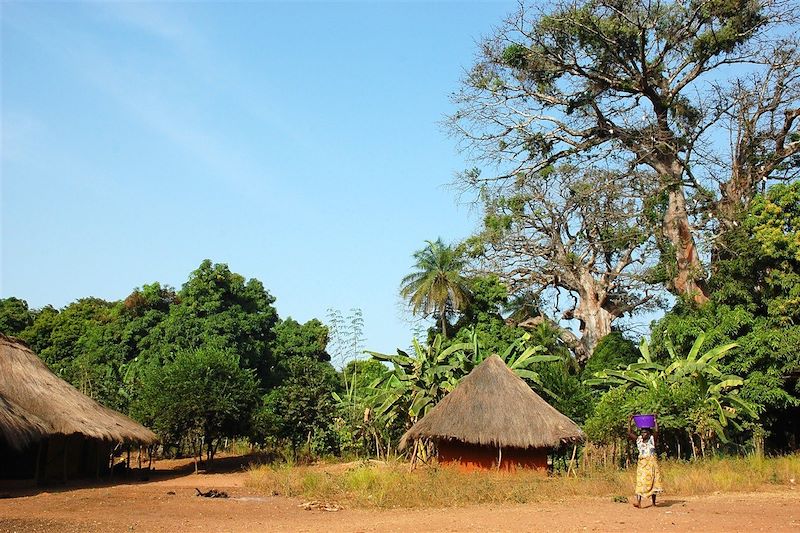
column 168, row 503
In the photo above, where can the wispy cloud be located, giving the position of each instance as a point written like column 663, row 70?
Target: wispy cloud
column 153, row 19
column 142, row 92
column 170, row 25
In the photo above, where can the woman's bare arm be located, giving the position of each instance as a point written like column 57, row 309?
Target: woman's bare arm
column 655, row 429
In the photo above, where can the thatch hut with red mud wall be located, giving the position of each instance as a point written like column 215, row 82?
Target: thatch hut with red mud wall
column 493, row 420
column 49, row 430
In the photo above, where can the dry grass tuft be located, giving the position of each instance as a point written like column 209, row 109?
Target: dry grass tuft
column 392, row 485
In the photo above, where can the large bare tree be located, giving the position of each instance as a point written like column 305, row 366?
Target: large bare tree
column 582, row 235
column 642, row 84
column 763, row 114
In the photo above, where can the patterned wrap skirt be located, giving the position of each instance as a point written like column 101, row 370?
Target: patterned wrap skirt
column 648, row 477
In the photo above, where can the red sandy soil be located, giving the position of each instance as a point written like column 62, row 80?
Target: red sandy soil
column 167, row 503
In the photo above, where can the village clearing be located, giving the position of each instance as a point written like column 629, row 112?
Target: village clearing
column 169, row 503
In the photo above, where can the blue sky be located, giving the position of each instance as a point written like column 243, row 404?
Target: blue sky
column 297, row 142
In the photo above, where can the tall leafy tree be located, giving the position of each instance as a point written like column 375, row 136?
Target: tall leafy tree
column 301, row 410
column 199, row 397
column 483, row 316
column 437, row 286
column 641, row 86
column 143, row 310
column 293, row 339
column 14, row 316
column 218, row 305
column 82, row 344
column 37, row 334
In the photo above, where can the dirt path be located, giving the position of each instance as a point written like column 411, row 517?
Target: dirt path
column 169, row 504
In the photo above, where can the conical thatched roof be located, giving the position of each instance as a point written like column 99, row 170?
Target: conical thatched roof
column 17, row 427
column 35, row 392
column 495, row 407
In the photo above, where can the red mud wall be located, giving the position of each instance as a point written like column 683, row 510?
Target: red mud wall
column 473, row 457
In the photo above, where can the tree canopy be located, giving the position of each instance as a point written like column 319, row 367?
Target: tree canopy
column 626, row 88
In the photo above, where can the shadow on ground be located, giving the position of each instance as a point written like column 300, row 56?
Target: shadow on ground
column 670, row 503
column 163, row 470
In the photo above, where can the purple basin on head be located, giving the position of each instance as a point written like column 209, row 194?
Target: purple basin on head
column 644, row 421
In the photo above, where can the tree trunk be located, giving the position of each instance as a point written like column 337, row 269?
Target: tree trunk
column 595, row 323
column 688, row 278
column 377, row 445
column 592, row 314
column 735, row 196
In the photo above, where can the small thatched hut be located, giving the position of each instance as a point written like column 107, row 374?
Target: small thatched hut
column 60, row 431
column 493, row 419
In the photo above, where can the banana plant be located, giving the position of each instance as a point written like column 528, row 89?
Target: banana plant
column 694, row 366
column 719, row 404
column 644, row 373
column 520, row 358
column 419, row 380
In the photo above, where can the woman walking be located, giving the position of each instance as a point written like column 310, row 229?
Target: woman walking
column 648, row 476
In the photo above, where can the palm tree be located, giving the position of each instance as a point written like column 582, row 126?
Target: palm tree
column 437, row 286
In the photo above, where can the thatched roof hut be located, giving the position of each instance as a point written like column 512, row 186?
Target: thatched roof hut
column 52, row 404
column 17, row 427
column 494, row 408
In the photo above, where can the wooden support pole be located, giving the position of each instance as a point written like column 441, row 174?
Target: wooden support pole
column 111, row 461
column 571, row 467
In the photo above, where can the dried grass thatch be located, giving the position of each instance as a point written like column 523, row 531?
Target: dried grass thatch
column 36, row 393
column 492, row 406
column 17, row 427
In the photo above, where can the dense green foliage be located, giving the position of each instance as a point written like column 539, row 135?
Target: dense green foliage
column 612, row 352
column 483, row 316
column 692, row 396
column 756, row 303
column 361, row 430
column 201, row 395
column 15, row 316
column 218, row 304
column 301, row 409
column 193, row 363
